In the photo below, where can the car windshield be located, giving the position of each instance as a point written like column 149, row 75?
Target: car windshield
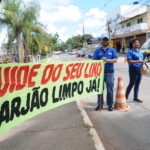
column 146, row 45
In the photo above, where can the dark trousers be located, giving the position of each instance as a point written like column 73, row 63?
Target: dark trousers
column 109, row 81
column 134, row 80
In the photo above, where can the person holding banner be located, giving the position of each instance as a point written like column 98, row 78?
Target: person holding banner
column 109, row 55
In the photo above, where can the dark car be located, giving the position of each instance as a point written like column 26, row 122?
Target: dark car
column 81, row 53
column 90, row 53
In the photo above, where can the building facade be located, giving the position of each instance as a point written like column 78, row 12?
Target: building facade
column 129, row 22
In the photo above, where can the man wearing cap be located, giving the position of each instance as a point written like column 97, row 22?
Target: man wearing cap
column 109, row 55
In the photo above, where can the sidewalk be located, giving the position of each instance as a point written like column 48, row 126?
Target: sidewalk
column 61, row 128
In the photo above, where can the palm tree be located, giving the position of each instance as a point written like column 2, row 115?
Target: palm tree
column 34, row 39
column 18, row 17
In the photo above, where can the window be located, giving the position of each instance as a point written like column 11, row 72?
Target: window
column 122, row 26
column 128, row 24
column 140, row 20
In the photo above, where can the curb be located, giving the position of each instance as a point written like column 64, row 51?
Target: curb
column 97, row 142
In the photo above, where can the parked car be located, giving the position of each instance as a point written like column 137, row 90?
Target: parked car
column 81, row 53
column 57, row 52
column 90, row 53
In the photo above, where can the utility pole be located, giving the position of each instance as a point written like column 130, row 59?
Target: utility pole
column 84, row 41
column 108, row 28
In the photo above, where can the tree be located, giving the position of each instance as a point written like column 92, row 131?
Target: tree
column 87, row 36
column 77, row 41
column 18, row 17
column 53, row 42
column 34, row 39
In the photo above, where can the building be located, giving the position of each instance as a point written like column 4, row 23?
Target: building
column 129, row 22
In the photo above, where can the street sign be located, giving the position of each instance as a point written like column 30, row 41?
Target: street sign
column 46, row 48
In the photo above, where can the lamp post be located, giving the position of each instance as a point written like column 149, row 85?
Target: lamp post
column 84, row 42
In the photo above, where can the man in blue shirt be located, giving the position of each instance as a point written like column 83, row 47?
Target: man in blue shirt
column 109, row 55
column 135, row 61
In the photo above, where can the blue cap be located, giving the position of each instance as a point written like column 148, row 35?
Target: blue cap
column 104, row 37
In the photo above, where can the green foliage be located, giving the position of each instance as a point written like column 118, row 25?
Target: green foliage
column 54, row 43
column 34, row 39
column 77, row 41
column 18, row 18
column 7, row 59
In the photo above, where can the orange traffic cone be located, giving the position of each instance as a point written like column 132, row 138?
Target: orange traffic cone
column 120, row 102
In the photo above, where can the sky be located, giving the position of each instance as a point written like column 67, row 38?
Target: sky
column 67, row 17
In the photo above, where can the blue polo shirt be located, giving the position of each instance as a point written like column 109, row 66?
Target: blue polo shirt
column 135, row 55
column 109, row 53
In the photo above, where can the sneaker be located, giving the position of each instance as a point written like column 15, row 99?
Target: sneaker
column 98, row 107
column 110, row 108
column 138, row 100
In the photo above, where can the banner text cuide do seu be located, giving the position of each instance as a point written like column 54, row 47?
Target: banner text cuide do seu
column 32, row 88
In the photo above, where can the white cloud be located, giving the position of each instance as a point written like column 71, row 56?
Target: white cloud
column 93, row 23
column 61, row 11
column 96, row 13
column 59, row 15
column 58, row 1
column 61, row 31
column 79, row 31
column 50, row 4
column 64, row 37
column 95, row 34
column 99, row 33
column 89, row 22
column 53, row 29
column 94, row 18
column 53, row 4
column 91, row 28
column 68, row 13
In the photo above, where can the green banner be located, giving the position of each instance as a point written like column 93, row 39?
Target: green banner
column 32, row 88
